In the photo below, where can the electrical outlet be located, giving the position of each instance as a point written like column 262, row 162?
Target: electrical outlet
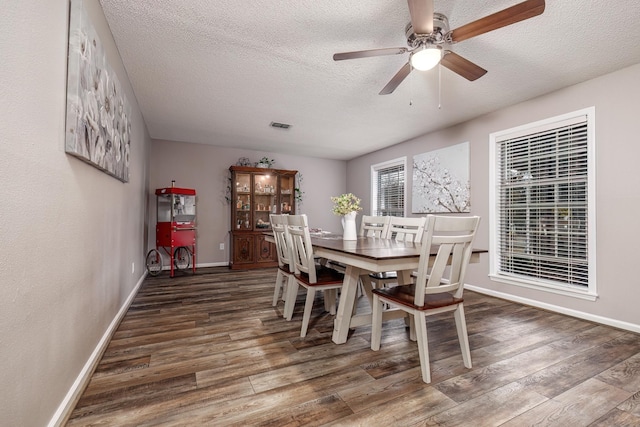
column 222, row 246
column 133, row 267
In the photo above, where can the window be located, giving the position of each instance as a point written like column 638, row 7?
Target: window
column 388, row 189
column 543, row 205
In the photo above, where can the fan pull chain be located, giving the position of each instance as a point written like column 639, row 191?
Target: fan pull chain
column 439, row 86
column 411, row 89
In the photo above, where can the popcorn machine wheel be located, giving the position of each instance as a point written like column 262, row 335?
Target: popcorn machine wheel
column 175, row 230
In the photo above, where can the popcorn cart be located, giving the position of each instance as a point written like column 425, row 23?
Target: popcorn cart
column 175, row 230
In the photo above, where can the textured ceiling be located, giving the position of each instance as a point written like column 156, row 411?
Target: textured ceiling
column 218, row 72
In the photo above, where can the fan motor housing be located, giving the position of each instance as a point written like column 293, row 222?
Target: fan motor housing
column 437, row 37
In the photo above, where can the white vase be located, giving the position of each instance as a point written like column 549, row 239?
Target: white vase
column 349, row 226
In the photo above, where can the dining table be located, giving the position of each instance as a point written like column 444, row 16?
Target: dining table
column 359, row 258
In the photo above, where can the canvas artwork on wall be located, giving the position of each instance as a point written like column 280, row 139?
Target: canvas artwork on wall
column 441, row 180
column 98, row 126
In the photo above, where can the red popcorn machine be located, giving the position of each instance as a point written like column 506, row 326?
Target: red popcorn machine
column 175, row 230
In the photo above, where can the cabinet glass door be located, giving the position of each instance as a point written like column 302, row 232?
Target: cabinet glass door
column 265, row 187
column 243, row 220
column 286, row 202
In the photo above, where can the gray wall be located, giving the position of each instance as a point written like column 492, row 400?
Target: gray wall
column 616, row 98
column 68, row 232
column 206, row 168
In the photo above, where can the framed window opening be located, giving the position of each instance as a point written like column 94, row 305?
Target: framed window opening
column 388, row 188
column 542, row 205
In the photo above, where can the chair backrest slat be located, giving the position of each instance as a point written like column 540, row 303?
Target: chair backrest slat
column 374, row 226
column 302, row 250
column 406, row 229
column 283, row 241
column 454, row 238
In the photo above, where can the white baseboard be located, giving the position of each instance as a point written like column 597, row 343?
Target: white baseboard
column 205, row 264
column 68, row 403
column 213, row 264
column 558, row 309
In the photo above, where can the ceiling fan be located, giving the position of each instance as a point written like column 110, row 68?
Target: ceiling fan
column 429, row 39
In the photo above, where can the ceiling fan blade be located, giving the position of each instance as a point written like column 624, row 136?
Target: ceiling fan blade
column 421, row 12
column 370, row 53
column 508, row 16
column 462, row 66
column 396, row 80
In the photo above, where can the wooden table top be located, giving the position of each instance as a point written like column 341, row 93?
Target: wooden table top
column 372, row 247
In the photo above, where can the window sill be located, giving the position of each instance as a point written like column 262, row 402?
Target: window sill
column 574, row 292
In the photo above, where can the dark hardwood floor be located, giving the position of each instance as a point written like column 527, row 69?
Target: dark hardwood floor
column 210, row 350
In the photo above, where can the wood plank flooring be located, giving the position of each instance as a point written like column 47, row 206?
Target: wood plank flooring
column 208, row 349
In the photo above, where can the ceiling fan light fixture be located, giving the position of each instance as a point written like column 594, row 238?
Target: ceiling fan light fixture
column 426, row 57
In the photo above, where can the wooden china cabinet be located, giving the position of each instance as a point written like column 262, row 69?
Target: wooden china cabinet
column 256, row 193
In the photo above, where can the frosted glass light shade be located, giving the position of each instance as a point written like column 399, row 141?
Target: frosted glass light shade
column 426, row 59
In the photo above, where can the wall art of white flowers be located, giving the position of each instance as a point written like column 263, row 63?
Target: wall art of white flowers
column 98, row 128
column 441, row 180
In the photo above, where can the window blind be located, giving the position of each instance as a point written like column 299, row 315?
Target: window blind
column 543, row 204
column 389, row 191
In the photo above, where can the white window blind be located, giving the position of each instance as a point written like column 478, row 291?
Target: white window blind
column 542, row 180
column 388, row 188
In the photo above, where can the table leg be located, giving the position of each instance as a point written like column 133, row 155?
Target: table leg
column 404, row 277
column 367, row 286
column 345, row 306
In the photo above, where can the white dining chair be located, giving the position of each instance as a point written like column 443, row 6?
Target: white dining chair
column 283, row 249
column 438, row 288
column 374, row 226
column 308, row 273
column 370, row 226
column 408, row 229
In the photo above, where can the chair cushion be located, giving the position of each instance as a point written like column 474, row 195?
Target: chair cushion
column 324, row 276
column 405, row 295
column 285, row 268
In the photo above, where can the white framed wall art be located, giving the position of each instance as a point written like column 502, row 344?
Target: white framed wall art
column 441, row 180
column 98, row 122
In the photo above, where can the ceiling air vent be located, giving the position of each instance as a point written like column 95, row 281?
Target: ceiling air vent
column 279, row 125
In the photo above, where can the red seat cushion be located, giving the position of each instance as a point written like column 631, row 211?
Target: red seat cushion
column 285, row 268
column 324, row 276
column 405, row 295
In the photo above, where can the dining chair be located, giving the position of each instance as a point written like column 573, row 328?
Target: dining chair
column 370, row 226
column 308, row 273
column 438, row 288
column 409, row 229
column 374, row 226
column 283, row 249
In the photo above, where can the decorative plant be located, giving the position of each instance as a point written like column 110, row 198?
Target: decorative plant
column 345, row 203
column 298, row 193
column 227, row 193
column 266, row 161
